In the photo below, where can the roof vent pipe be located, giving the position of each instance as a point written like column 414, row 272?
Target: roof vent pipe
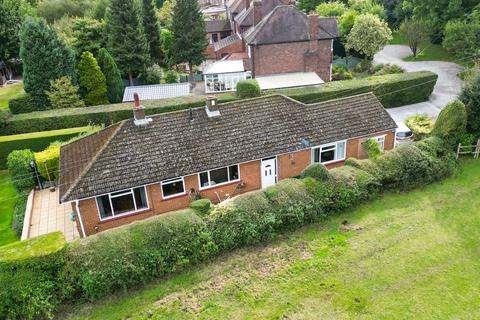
column 139, row 118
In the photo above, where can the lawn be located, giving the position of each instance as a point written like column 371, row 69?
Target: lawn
column 9, row 92
column 7, row 203
column 404, row 256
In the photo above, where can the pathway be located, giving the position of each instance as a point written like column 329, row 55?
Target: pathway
column 447, row 88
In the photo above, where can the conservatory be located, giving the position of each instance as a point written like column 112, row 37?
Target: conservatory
column 223, row 75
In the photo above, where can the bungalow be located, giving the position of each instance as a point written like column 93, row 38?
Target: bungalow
column 143, row 167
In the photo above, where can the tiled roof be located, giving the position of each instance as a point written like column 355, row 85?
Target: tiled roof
column 218, row 25
column 225, row 42
column 286, row 23
column 245, row 18
column 157, row 91
column 172, row 145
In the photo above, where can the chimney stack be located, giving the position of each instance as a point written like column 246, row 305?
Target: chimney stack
column 313, row 28
column 211, row 107
column 139, row 113
column 257, row 12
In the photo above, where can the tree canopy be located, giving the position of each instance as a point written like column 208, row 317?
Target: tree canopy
column 93, row 85
column 152, row 31
column 112, row 75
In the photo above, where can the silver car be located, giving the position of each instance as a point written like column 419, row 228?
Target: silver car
column 403, row 134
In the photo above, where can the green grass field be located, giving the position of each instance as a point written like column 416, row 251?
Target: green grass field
column 7, row 203
column 9, row 92
column 404, row 256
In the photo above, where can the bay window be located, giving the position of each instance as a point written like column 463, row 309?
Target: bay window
column 218, row 176
column 172, row 187
column 329, row 152
column 122, row 202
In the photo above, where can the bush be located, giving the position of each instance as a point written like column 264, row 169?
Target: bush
column 152, row 75
column 18, row 163
column 19, row 213
column 470, row 96
column 352, row 185
column 170, row 76
column 135, row 254
column 201, row 206
column 248, row 89
column 462, row 38
column 47, row 162
column 63, row 94
column 389, row 69
column 23, row 104
column 372, row 147
column 451, row 123
column 93, row 85
column 331, row 9
column 28, row 274
column 317, row 171
column 421, row 125
column 341, row 72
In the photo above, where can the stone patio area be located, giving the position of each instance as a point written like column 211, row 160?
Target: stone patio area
column 47, row 215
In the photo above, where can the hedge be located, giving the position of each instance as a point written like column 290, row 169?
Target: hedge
column 19, row 213
column 22, row 104
column 18, row 163
column 393, row 90
column 35, row 142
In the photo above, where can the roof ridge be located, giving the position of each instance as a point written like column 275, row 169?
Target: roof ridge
column 369, row 93
column 321, row 27
column 92, row 160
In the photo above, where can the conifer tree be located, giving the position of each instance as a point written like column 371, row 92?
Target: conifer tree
column 112, row 76
column 189, row 34
column 126, row 38
column 45, row 57
column 152, row 31
column 93, row 86
column 63, row 94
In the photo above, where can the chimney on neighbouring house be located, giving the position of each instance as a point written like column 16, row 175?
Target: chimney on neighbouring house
column 211, row 107
column 139, row 118
column 257, row 12
column 313, row 28
column 247, row 4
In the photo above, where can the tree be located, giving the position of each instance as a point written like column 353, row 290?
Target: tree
column 415, row 33
column 451, row 123
column 93, row 86
column 165, row 13
column 112, row 75
column 368, row 6
column 53, row 10
column 152, row 31
column 12, row 14
column 88, row 35
column 470, row 96
column 45, row 57
column 126, row 39
column 151, row 75
column 308, row 5
column 331, row 9
column 63, row 94
column 368, row 35
column 347, row 20
column 189, row 34
column 166, row 37
column 462, row 38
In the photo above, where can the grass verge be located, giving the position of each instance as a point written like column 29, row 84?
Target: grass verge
column 403, row 256
column 8, row 196
column 9, row 92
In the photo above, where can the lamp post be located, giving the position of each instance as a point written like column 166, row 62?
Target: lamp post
column 34, row 167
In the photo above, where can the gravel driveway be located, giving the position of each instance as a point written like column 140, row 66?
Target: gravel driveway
column 447, row 88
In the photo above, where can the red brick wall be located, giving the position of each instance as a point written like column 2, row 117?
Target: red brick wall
column 292, row 57
column 289, row 165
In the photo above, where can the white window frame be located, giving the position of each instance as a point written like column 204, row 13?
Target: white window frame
column 218, row 184
column 164, row 182
column 381, row 144
column 327, row 145
column 127, row 191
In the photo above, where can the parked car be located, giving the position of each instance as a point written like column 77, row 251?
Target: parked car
column 403, row 134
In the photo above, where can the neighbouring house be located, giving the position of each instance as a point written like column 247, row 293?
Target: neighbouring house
column 223, row 75
column 273, row 37
column 143, row 167
column 157, row 91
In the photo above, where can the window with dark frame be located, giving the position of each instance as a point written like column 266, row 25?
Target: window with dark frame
column 121, row 202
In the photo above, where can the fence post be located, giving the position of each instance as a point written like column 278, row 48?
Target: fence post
column 458, row 150
column 477, row 149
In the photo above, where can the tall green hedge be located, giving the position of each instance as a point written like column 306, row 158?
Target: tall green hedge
column 393, row 90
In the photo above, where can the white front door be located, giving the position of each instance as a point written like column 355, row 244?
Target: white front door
column 268, row 172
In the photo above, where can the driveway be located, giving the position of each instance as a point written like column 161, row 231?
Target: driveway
column 447, row 88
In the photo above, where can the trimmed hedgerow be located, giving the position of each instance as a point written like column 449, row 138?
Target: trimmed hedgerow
column 18, row 163
column 22, row 104
column 201, row 206
column 317, row 171
column 19, row 213
column 451, row 123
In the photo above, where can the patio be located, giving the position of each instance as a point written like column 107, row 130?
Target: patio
column 45, row 214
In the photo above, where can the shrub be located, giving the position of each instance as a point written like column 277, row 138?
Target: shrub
column 389, row 69
column 317, row 171
column 248, row 89
column 171, row 76
column 462, row 38
column 341, row 72
column 451, row 123
column 135, row 254
column 28, row 274
column 152, row 75
column 18, row 163
column 331, row 9
column 19, row 213
column 372, row 147
column 201, row 206
column 23, row 104
column 351, row 185
column 421, row 125
column 470, row 96
column 63, row 94
column 47, row 162
column 93, row 85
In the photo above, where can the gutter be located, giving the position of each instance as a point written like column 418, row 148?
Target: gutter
column 80, row 218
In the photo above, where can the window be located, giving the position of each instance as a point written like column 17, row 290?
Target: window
column 121, row 202
column 329, row 152
column 172, row 187
column 381, row 142
column 218, row 176
column 214, row 37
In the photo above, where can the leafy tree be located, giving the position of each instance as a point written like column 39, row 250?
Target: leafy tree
column 470, row 96
column 152, row 31
column 53, row 10
column 12, row 14
column 93, row 86
column 331, row 9
column 100, row 9
column 368, row 35
column 88, row 35
column 166, row 37
column 462, row 38
column 63, row 27
column 171, row 76
column 394, row 11
column 63, row 94
column 165, row 13
column 368, row 6
column 415, row 32
column 112, row 75
column 372, row 147
column 45, row 57
column 189, row 34
column 126, row 39
column 346, row 22
column 151, row 75
column 308, row 5
column 451, row 123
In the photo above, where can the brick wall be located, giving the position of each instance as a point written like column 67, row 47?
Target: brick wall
column 289, row 165
column 292, row 57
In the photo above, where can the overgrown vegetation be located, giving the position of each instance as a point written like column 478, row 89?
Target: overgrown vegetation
column 420, row 124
